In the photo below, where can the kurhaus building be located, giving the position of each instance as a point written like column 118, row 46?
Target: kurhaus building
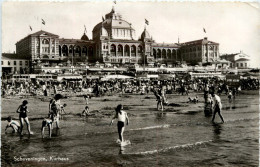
column 113, row 43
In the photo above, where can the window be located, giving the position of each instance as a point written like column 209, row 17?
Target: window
column 241, row 64
column 53, row 49
column 15, row 63
column 245, row 64
column 45, row 41
column 26, row 63
column 2, row 62
column 14, row 69
column 21, row 63
column 9, row 63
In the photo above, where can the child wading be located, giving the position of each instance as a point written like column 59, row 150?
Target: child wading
column 122, row 117
column 22, row 109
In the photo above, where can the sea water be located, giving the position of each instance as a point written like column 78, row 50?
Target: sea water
column 157, row 139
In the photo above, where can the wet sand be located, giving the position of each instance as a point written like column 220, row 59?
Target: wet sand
column 174, row 137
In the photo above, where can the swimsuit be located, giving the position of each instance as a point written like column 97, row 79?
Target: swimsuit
column 120, row 125
column 23, row 112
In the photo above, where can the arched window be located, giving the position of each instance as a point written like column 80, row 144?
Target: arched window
column 64, row 50
column 154, row 53
column 45, row 41
column 159, row 53
column 84, row 51
column 133, row 50
column 120, row 50
column 127, row 50
column 164, row 54
column 169, row 54
column 77, row 51
column 113, row 50
column 140, row 49
column 71, row 49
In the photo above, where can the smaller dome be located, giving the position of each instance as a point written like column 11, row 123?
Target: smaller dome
column 84, row 37
column 145, row 35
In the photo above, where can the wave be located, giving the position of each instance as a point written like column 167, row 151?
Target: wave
column 189, row 145
column 151, row 127
column 144, row 128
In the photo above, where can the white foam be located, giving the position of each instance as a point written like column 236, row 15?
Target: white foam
column 151, row 127
column 171, row 148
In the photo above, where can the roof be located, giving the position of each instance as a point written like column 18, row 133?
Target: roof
column 12, row 56
column 199, row 42
column 73, row 41
column 242, row 59
column 113, row 20
column 169, row 45
column 84, row 37
column 145, row 35
column 236, row 56
column 123, row 40
column 40, row 33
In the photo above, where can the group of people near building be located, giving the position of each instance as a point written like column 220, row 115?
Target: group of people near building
column 210, row 87
column 140, row 86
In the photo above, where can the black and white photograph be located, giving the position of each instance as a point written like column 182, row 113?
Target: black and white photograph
column 130, row 83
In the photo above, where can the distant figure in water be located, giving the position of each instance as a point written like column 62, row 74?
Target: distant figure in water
column 217, row 106
column 159, row 99
column 62, row 110
column 122, row 117
column 12, row 124
column 22, row 110
column 85, row 112
column 230, row 95
column 208, row 105
column 87, row 97
column 194, row 100
column 55, row 109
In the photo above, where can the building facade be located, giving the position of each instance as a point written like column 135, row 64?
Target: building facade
column 113, row 43
column 14, row 64
column 237, row 60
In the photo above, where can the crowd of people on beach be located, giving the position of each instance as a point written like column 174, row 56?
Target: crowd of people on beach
column 112, row 86
column 211, row 88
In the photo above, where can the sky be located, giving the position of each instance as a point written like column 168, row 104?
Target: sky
column 234, row 25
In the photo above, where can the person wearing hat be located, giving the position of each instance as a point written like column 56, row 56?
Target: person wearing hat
column 22, row 110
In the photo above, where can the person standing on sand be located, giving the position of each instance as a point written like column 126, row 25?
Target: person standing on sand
column 122, row 117
column 217, row 106
column 22, row 110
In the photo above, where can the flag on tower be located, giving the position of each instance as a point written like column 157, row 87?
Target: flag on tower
column 204, row 30
column 43, row 22
column 30, row 27
column 146, row 22
column 85, row 30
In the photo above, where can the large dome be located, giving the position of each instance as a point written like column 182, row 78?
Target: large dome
column 116, row 27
